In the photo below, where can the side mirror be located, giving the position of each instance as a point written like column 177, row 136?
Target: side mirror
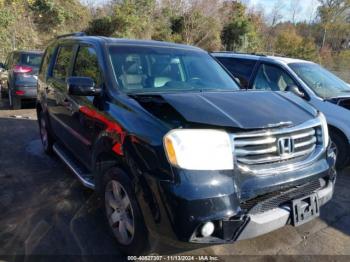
column 295, row 90
column 82, row 86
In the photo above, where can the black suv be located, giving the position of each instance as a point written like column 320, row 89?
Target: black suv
column 19, row 75
column 178, row 153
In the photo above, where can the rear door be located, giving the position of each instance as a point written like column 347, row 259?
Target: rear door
column 272, row 78
column 82, row 110
column 56, row 94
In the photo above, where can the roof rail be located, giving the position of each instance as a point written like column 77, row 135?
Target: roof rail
column 239, row 53
column 252, row 53
column 72, row 34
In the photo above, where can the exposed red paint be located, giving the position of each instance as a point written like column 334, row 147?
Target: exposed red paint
column 110, row 127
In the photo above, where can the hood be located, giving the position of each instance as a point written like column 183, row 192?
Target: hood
column 241, row 109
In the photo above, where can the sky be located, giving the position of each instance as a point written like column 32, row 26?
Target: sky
column 306, row 8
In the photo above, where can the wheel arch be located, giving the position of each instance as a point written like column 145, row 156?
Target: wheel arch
column 103, row 158
column 337, row 130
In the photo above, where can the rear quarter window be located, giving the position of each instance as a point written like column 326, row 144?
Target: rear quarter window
column 46, row 61
column 63, row 61
column 240, row 68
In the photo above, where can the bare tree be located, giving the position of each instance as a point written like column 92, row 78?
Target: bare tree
column 330, row 11
column 295, row 9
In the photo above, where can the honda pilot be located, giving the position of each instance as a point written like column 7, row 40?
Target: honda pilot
column 177, row 152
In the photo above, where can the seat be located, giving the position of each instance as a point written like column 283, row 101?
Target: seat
column 132, row 77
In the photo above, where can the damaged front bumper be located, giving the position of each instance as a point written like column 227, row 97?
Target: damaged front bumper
column 259, row 222
column 271, row 220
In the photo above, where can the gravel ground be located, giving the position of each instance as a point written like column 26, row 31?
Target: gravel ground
column 46, row 212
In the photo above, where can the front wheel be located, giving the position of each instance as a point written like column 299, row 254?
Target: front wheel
column 341, row 148
column 123, row 213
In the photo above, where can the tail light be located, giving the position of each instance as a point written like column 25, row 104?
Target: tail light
column 20, row 92
column 22, row 69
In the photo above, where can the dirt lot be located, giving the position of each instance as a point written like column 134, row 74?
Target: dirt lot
column 45, row 211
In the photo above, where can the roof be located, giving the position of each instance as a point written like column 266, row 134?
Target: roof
column 122, row 41
column 28, row 51
column 284, row 60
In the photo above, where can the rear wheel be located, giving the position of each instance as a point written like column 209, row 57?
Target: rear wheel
column 46, row 137
column 123, row 213
column 341, row 147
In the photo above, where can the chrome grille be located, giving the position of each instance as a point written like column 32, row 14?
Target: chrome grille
column 261, row 148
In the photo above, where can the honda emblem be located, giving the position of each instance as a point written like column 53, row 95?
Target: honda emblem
column 285, row 146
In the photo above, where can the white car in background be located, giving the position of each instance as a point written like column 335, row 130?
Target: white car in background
column 321, row 88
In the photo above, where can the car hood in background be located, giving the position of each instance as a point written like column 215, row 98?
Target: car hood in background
column 241, row 109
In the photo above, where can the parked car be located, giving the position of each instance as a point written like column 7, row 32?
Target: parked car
column 19, row 75
column 316, row 85
column 177, row 152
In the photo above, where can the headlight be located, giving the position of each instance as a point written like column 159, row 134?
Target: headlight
column 325, row 133
column 199, row 149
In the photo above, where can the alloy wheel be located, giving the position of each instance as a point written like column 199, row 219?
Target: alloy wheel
column 119, row 212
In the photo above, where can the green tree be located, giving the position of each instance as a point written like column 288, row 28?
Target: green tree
column 239, row 32
column 134, row 18
column 103, row 26
column 289, row 43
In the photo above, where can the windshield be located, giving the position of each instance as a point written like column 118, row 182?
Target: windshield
column 322, row 82
column 159, row 69
column 33, row 60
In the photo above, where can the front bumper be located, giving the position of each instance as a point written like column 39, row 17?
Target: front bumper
column 260, row 224
column 237, row 214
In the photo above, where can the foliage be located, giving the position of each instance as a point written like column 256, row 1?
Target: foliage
column 239, row 31
column 103, row 26
column 210, row 24
column 289, row 43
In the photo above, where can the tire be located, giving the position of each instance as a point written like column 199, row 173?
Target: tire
column 15, row 102
column 45, row 135
column 123, row 214
column 341, row 146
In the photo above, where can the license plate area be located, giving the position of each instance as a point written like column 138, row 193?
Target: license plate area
column 305, row 209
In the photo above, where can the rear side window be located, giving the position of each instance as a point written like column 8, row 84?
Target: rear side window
column 61, row 67
column 240, row 68
column 32, row 60
column 86, row 64
column 47, row 60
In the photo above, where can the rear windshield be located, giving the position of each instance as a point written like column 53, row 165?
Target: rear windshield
column 33, row 60
column 162, row 69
